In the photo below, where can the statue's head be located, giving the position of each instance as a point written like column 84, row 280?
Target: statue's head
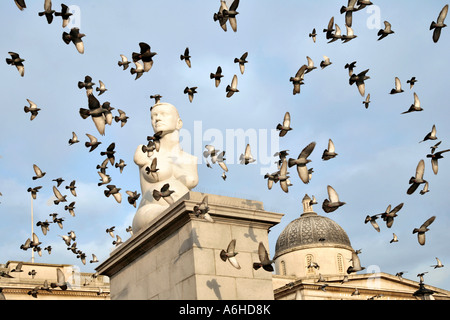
column 165, row 118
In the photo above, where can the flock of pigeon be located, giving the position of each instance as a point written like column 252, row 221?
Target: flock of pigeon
column 101, row 115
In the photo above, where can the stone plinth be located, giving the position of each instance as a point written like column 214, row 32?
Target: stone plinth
column 177, row 257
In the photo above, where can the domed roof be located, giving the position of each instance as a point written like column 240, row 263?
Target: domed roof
column 311, row 230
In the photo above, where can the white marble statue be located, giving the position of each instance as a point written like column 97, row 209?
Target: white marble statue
column 172, row 167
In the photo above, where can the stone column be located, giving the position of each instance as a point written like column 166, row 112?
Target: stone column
column 178, row 257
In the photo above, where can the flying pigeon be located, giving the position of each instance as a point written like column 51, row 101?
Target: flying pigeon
column 17, row 61
column 102, row 89
column 60, row 280
column 231, row 89
column 138, row 70
column 70, row 208
column 398, row 87
column 220, row 16
column 64, row 14
column 186, row 57
column 389, row 214
column 246, row 157
column 430, row 135
column 75, row 37
column 434, row 159
column 418, row 178
column 297, row 80
column 146, row 55
column 242, row 61
column 310, row 65
column 356, row 263
column 437, row 26
column 330, row 152
column 93, row 142
column 59, row 196
column 87, row 84
column 415, row 107
column 383, row 33
column 438, row 264
column 349, row 36
column 373, row 222
column 423, row 228
column 283, row 176
column 114, row 191
column 164, row 193
column 38, row 172
column 132, row 197
column 74, row 139
column 264, row 260
column 124, row 62
column 109, row 153
column 411, row 82
column 217, row 76
column 96, row 112
column 394, row 238
column 231, row 14
column 72, row 188
column 48, row 11
column 202, row 210
column 348, row 10
column 313, row 35
column 325, row 62
column 230, row 254
column 359, row 80
column 32, row 109
column 190, row 91
column 333, row 203
column 20, row 4
column 301, row 162
column 285, row 127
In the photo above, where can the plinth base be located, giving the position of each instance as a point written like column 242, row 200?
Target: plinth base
column 178, row 256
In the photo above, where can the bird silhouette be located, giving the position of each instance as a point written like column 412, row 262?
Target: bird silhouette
column 434, row 159
column 16, row 61
column 398, row 87
column 20, row 4
column 247, row 157
column 145, row 55
column 186, row 57
column 48, row 11
column 285, row 127
column 230, row 254
column 417, row 180
column 164, row 193
column 93, row 143
column 190, row 91
column 217, row 76
column 301, row 162
column 65, row 15
column 430, row 135
column 423, row 229
column 242, row 61
column 330, row 152
column 383, row 33
column 297, row 80
column 264, row 261
column 439, row 24
column 39, row 173
column 114, row 191
column 123, row 62
column 232, row 88
column 32, row 109
column 333, row 203
column 389, row 214
column 201, row 210
column 75, row 37
column 415, row 107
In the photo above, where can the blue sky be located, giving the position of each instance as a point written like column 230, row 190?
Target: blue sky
column 378, row 147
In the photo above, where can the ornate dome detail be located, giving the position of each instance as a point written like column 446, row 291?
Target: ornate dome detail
column 310, row 229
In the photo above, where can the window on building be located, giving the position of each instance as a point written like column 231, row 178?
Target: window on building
column 283, row 268
column 309, row 261
column 340, row 263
